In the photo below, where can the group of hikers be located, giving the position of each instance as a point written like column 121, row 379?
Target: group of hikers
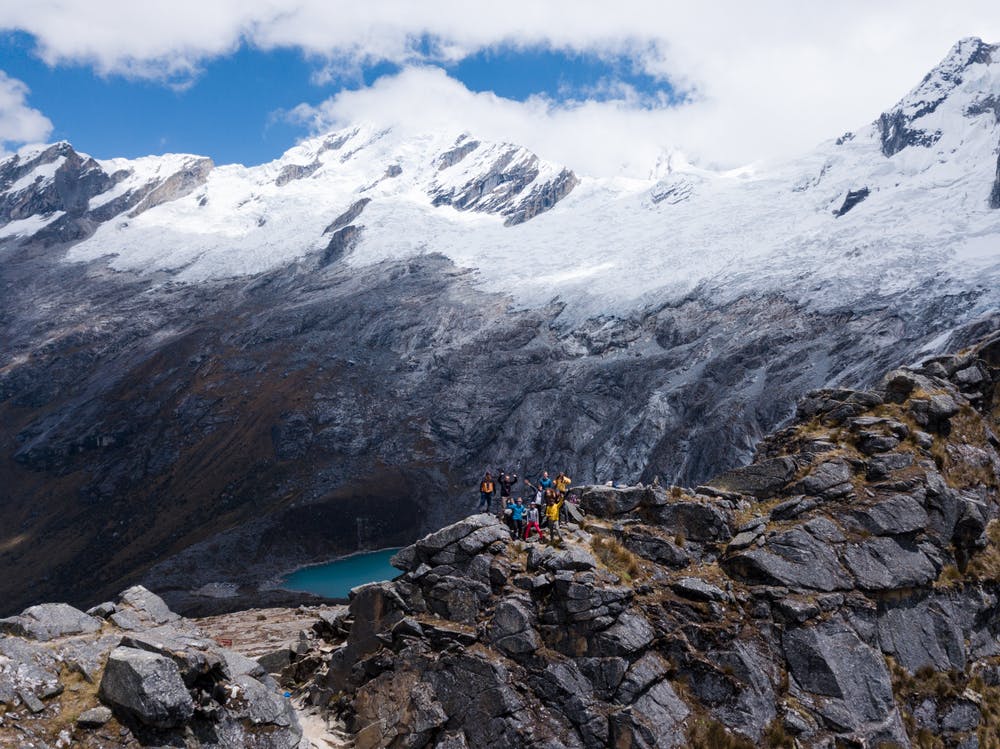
column 544, row 508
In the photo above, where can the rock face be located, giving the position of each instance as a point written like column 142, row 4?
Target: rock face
column 838, row 607
column 161, row 682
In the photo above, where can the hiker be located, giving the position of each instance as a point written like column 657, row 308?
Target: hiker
column 562, row 482
column 545, row 482
column 486, row 489
column 533, row 523
column 507, row 512
column 539, row 489
column 506, row 481
column 552, row 515
column 517, row 511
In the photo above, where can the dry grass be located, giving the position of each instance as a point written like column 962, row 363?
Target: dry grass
column 985, row 563
column 615, row 557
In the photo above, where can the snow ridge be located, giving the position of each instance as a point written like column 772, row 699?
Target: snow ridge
column 904, row 201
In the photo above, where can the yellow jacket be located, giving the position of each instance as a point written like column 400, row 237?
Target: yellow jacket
column 552, row 510
column 562, row 484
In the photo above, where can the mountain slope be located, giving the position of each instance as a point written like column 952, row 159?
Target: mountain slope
column 199, row 358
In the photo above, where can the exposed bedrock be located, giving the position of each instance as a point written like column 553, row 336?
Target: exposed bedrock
column 834, row 608
column 180, row 433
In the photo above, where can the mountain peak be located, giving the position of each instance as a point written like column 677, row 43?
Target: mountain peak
column 912, row 121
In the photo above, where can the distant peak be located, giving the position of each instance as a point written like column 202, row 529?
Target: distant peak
column 905, row 125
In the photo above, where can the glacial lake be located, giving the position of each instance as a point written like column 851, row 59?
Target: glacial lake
column 335, row 579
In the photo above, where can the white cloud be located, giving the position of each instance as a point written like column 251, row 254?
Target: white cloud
column 19, row 123
column 767, row 78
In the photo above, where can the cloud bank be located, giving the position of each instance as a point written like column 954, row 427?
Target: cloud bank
column 762, row 79
column 19, row 123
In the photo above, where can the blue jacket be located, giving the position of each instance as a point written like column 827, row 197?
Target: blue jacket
column 517, row 511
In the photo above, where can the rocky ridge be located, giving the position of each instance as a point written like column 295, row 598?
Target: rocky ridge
column 132, row 673
column 842, row 590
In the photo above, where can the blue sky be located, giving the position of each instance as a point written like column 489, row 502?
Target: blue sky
column 608, row 88
column 234, row 109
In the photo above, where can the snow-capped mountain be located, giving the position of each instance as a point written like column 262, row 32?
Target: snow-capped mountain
column 356, row 329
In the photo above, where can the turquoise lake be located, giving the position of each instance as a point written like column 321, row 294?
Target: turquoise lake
column 335, row 580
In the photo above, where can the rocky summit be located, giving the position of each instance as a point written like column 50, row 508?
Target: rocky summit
column 840, row 591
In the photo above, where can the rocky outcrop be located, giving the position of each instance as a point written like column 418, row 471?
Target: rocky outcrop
column 995, row 193
column 502, row 186
column 837, row 606
column 132, row 674
column 852, row 198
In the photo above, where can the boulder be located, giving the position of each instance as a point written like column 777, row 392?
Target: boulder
column 146, row 687
column 553, row 559
column 888, row 563
column 698, row 590
column 650, row 668
column 922, row 633
column 47, row 621
column 95, row 717
column 762, row 479
column 840, row 677
column 653, row 547
column 892, row 515
column 609, row 501
column 628, row 636
column 654, row 721
column 696, row 521
column 828, row 480
column 146, row 605
column 795, row 558
column 512, row 628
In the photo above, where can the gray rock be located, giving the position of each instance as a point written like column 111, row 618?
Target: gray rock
column 276, row 660
column 148, row 606
column 920, row 633
column 102, row 610
column 48, row 621
column 512, row 628
column 552, row 559
column 895, row 514
column 794, row 558
column 845, row 680
column 762, row 479
column 882, row 466
column 744, row 539
column 147, row 687
column 796, row 610
column 629, row 635
column 405, row 559
column 32, row 702
column 607, row 501
column 827, row 479
column 127, row 620
column 238, row 664
column 696, row 521
column 964, row 715
column 260, row 705
column 650, row 668
column 604, row 673
column 652, row 547
column 654, row 721
column 888, row 563
column 430, row 545
column 698, row 590
column 95, row 717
